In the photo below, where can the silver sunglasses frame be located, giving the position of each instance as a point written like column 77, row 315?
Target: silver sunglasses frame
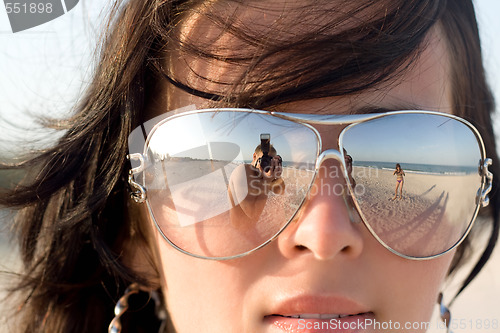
column 139, row 192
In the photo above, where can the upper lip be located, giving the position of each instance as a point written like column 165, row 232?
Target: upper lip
column 316, row 304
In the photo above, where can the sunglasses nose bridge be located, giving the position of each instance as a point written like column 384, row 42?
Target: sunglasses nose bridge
column 330, row 154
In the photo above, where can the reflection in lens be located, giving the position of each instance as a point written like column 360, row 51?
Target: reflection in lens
column 436, row 182
column 207, row 190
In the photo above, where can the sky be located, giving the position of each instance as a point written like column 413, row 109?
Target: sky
column 410, row 139
column 292, row 141
column 45, row 69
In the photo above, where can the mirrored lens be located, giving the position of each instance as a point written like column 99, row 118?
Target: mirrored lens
column 223, row 183
column 415, row 179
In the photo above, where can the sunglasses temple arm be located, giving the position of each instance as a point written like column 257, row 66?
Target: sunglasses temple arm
column 137, row 191
column 484, row 199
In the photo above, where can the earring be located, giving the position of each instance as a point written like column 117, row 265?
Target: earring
column 444, row 313
column 121, row 307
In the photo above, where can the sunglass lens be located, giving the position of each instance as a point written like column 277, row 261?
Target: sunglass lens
column 213, row 193
column 415, row 180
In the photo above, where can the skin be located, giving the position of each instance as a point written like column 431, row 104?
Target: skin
column 321, row 253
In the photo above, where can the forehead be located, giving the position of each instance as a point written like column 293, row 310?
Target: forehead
column 231, row 41
column 274, row 19
column 232, row 36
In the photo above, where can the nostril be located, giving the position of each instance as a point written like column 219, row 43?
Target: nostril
column 300, row 247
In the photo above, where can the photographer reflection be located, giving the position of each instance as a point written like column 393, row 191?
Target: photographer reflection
column 251, row 184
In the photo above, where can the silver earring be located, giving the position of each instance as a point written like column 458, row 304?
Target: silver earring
column 444, row 313
column 121, row 307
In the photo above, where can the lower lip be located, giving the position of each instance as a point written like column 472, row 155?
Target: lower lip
column 351, row 324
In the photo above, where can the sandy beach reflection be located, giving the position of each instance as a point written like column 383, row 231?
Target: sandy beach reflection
column 434, row 211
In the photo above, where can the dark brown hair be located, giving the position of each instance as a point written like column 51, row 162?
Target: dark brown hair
column 72, row 222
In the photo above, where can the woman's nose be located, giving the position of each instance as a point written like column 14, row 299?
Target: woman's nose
column 327, row 224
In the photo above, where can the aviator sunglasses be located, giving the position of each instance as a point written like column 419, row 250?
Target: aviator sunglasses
column 222, row 183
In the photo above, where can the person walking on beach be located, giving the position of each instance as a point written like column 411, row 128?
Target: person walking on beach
column 399, row 181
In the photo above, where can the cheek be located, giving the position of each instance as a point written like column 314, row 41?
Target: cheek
column 202, row 292
column 411, row 288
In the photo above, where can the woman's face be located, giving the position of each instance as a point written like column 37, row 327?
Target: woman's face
column 322, row 264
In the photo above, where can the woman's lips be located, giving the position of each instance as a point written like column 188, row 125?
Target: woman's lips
column 325, row 314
